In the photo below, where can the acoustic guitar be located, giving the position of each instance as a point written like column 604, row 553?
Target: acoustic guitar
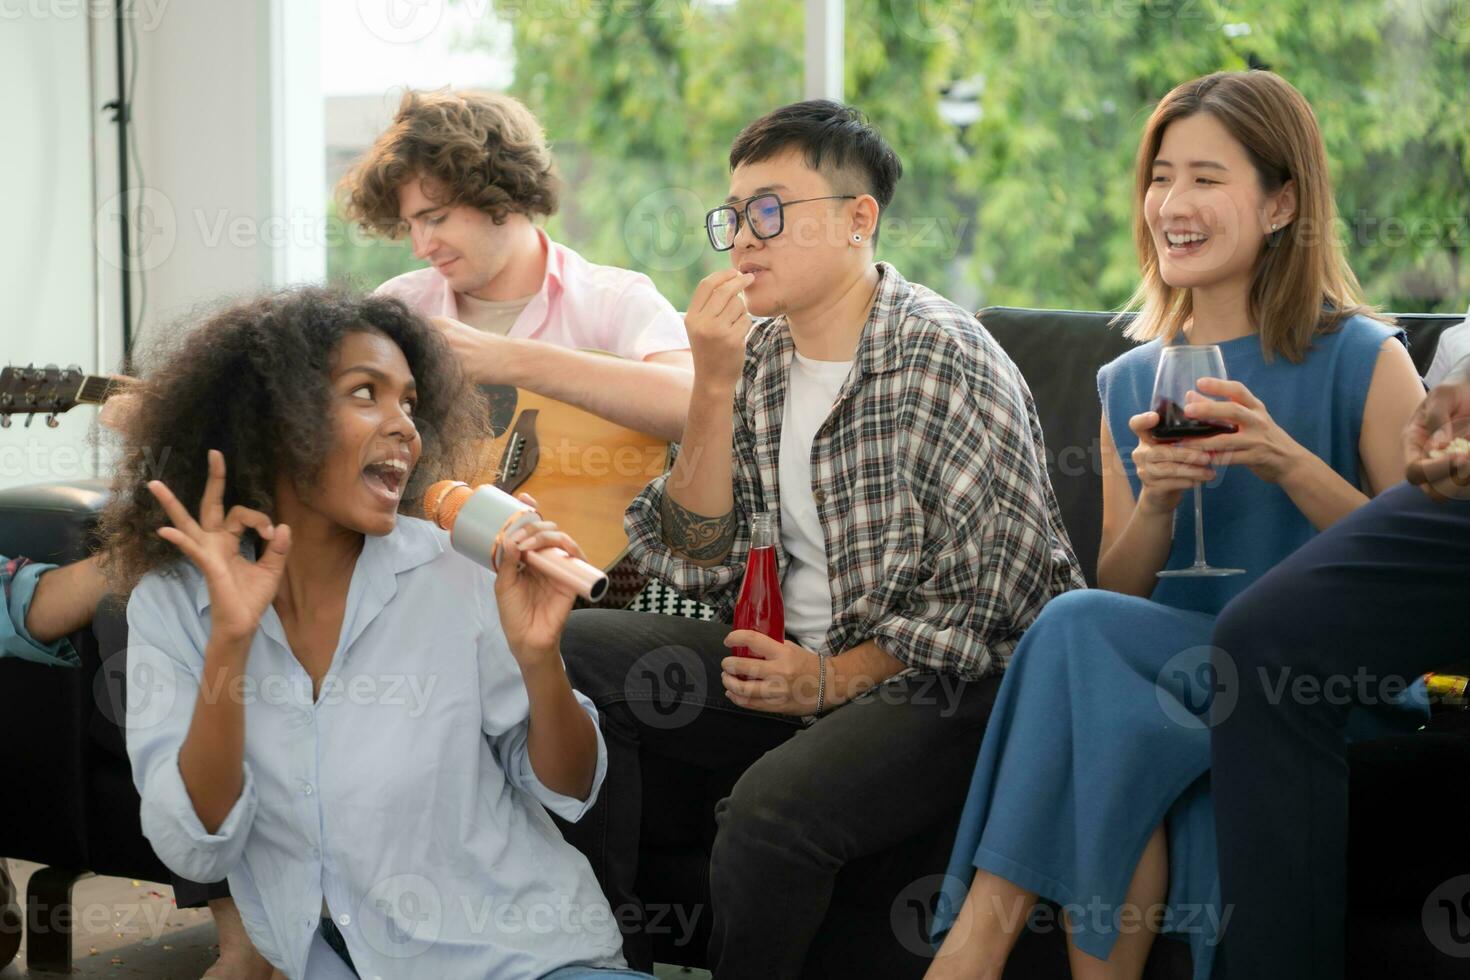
column 50, row 391
column 583, row 470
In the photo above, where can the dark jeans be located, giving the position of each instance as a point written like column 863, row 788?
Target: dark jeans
column 1378, row 597
column 197, row 894
column 870, row 775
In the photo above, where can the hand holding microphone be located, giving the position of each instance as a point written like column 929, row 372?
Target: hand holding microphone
column 501, row 532
column 482, row 520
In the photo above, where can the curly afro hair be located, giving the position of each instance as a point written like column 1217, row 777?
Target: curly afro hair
column 253, row 382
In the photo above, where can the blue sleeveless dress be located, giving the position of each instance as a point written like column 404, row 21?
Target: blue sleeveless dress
column 1099, row 733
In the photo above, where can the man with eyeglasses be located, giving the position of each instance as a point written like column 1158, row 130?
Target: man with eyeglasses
column 918, row 537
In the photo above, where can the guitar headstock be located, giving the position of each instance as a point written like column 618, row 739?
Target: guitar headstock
column 48, row 391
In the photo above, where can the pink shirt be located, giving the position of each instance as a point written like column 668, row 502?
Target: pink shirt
column 580, row 305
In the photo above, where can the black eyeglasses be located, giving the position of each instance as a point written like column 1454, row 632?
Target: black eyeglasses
column 766, row 214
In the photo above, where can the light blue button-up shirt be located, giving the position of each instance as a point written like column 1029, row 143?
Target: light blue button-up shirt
column 403, row 797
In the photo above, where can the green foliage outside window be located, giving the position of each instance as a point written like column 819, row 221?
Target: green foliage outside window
column 1017, row 122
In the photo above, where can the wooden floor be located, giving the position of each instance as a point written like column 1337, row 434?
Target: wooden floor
column 132, row 929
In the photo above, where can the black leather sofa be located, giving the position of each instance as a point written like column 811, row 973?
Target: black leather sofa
column 70, row 802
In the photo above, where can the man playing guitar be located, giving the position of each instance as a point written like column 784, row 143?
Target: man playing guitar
column 466, row 175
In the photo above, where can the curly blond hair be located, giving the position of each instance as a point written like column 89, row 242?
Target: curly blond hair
column 484, row 150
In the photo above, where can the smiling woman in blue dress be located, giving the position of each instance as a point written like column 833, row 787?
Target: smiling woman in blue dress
column 358, row 726
column 1092, row 786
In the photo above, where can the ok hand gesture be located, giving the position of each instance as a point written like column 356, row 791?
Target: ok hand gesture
column 239, row 589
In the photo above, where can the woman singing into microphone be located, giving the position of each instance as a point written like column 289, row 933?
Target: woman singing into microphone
column 326, row 705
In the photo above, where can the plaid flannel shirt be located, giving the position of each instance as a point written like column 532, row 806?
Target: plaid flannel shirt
column 944, row 539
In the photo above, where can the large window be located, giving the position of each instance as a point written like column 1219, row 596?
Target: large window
column 640, row 101
column 1017, row 122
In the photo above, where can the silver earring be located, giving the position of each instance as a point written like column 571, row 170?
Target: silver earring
column 857, row 238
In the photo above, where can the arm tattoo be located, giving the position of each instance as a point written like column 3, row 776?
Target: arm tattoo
column 695, row 537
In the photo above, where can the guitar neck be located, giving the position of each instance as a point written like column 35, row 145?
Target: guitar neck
column 51, row 391
column 96, row 389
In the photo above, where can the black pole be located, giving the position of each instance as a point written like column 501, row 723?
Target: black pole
column 122, row 180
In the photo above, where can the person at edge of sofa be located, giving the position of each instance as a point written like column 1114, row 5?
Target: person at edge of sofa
column 44, row 604
column 466, row 176
column 360, row 828
column 1379, row 596
column 1092, row 788
column 898, row 449
column 1453, row 348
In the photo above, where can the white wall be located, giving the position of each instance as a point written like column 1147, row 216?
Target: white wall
column 227, row 120
column 47, row 261
column 227, row 129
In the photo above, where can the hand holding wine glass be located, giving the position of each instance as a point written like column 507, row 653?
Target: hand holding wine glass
column 1165, row 470
column 1185, row 369
column 1245, row 434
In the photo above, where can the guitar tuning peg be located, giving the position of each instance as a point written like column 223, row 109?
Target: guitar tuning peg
column 51, row 422
column 29, row 420
column 4, row 421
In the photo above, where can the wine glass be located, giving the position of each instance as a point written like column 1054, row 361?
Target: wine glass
column 1180, row 368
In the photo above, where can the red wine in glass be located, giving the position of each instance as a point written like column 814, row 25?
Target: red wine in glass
column 759, row 606
column 1174, row 425
column 1180, row 368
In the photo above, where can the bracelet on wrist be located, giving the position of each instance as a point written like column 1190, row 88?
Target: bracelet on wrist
column 821, row 683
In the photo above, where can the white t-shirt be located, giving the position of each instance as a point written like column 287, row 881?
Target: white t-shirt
column 812, row 388
column 1453, row 347
column 491, row 316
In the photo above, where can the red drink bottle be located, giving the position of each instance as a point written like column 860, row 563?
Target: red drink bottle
column 759, row 607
